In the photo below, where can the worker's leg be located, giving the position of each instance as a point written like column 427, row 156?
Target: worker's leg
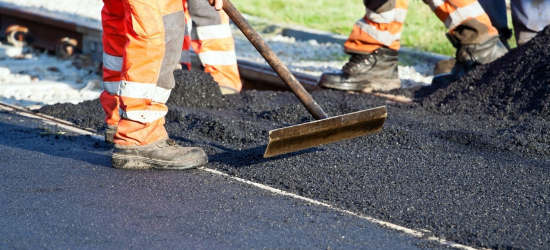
column 212, row 40
column 471, row 33
column 185, row 59
column 153, row 32
column 380, row 27
column 154, row 35
column 496, row 10
column 373, row 46
column 466, row 20
column 528, row 18
column 114, row 39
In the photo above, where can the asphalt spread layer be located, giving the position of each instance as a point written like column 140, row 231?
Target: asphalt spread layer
column 58, row 190
column 466, row 163
column 515, row 87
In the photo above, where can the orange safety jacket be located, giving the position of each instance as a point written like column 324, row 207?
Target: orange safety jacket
column 383, row 23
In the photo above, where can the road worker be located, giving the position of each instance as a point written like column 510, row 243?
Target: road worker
column 213, row 42
column 528, row 18
column 374, row 43
column 142, row 43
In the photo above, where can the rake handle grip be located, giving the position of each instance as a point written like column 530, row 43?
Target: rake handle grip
column 272, row 59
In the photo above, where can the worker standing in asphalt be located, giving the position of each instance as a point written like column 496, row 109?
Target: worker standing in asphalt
column 142, row 43
column 213, row 42
column 528, row 18
column 373, row 44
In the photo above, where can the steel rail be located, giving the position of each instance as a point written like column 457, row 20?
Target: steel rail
column 50, row 119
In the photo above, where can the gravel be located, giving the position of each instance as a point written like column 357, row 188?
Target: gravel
column 33, row 78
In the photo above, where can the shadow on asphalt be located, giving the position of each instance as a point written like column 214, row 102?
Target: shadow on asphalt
column 49, row 140
column 240, row 158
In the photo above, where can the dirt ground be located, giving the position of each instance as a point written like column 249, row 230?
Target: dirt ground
column 469, row 162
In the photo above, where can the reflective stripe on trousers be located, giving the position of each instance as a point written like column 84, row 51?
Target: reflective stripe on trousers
column 383, row 23
column 142, row 41
column 114, row 39
column 381, row 26
column 213, row 42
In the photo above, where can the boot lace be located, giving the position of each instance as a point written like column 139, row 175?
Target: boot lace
column 357, row 59
column 170, row 142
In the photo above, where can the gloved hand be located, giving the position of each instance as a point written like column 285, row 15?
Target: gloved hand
column 218, row 4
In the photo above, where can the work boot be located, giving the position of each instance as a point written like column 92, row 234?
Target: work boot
column 164, row 154
column 375, row 71
column 110, row 133
column 468, row 56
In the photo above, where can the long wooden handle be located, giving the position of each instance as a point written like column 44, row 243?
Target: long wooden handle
column 272, row 59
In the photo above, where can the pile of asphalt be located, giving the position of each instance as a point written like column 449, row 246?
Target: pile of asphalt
column 464, row 163
column 514, row 87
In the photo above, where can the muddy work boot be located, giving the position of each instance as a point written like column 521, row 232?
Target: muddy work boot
column 163, row 154
column 468, row 56
column 374, row 71
column 110, row 133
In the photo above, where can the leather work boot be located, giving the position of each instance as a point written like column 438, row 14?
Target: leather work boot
column 164, row 154
column 375, row 71
column 468, row 56
column 110, row 133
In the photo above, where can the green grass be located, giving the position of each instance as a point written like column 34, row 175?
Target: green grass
column 422, row 29
column 318, row 14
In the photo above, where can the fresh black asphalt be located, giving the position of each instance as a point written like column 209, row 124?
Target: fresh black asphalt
column 58, row 191
column 469, row 161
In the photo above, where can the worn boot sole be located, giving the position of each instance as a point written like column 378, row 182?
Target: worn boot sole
column 375, row 84
column 136, row 162
column 109, row 136
column 383, row 84
column 110, row 133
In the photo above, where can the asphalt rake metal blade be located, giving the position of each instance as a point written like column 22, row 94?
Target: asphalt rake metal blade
column 325, row 129
column 311, row 134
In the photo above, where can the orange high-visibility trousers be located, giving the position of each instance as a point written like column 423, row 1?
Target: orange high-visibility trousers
column 114, row 39
column 383, row 23
column 213, row 42
column 142, row 40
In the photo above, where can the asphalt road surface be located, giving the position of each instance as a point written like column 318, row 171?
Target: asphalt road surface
column 58, row 191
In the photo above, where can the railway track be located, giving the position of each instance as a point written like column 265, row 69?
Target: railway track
column 64, row 36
